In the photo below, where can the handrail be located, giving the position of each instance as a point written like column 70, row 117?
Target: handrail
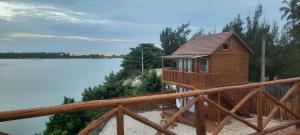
column 43, row 111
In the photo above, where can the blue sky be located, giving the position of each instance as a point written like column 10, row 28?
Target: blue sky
column 112, row 26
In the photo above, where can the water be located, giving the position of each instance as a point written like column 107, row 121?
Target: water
column 42, row 82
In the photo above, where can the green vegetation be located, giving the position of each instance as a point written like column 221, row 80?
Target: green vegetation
column 56, row 55
column 172, row 39
column 283, row 60
column 282, row 48
column 132, row 61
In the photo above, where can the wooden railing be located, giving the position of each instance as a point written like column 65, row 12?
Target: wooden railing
column 119, row 109
column 192, row 79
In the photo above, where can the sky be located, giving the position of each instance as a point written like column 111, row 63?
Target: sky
column 113, row 26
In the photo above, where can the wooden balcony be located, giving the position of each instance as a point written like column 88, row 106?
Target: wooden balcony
column 192, row 79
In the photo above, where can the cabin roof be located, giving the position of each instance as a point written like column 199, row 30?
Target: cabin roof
column 206, row 44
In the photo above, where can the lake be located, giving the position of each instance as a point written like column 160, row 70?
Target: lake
column 28, row 83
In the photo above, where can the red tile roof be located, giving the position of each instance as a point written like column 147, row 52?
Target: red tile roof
column 206, row 44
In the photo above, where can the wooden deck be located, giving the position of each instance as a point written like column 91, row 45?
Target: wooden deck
column 187, row 117
column 287, row 131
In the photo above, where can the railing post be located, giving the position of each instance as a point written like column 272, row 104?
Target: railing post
column 259, row 110
column 120, row 121
column 200, row 116
column 298, row 104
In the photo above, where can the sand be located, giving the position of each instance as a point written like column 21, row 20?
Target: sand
column 133, row 127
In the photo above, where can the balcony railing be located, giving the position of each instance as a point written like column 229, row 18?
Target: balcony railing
column 119, row 109
column 192, row 79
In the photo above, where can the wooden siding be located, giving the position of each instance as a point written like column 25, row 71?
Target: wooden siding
column 233, row 63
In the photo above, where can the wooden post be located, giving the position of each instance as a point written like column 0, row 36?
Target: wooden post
column 120, row 121
column 298, row 105
column 183, row 69
column 197, row 65
column 219, row 112
column 200, row 116
column 259, row 111
column 162, row 81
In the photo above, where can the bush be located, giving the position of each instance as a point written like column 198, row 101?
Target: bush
column 150, row 82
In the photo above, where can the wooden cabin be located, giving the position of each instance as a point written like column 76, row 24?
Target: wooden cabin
column 208, row 61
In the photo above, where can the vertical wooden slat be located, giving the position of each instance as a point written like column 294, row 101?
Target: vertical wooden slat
column 120, row 121
column 219, row 102
column 259, row 111
column 200, row 116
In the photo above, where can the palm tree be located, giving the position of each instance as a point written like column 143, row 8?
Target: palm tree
column 291, row 11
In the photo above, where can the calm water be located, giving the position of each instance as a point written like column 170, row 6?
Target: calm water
column 33, row 83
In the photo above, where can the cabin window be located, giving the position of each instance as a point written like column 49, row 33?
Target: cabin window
column 225, row 46
column 203, row 65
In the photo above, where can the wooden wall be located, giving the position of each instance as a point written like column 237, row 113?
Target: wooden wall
column 233, row 65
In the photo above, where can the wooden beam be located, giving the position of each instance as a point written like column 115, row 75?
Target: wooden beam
column 297, row 108
column 147, row 122
column 211, row 102
column 96, row 123
column 43, row 111
column 179, row 113
column 120, row 121
column 200, row 121
column 283, row 99
column 238, row 106
column 280, row 104
column 278, row 127
column 180, row 84
column 259, row 112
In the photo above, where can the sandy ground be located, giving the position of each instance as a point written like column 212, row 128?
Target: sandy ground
column 133, row 127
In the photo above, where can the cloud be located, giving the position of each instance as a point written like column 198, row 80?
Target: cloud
column 11, row 11
column 64, row 37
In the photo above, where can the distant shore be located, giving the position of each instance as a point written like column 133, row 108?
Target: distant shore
column 55, row 55
column 67, row 58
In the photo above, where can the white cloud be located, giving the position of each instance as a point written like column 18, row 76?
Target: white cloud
column 10, row 11
column 68, row 37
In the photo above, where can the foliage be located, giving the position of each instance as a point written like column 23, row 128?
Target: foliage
column 236, row 26
column 132, row 61
column 151, row 82
column 172, row 39
column 282, row 50
column 252, row 34
column 66, row 124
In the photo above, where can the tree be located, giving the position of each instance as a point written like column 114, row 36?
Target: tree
column 235, row 26
column 291, row 12
column 66, row 124
column 132, row 61
column 172, row 39
column 252, row 34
